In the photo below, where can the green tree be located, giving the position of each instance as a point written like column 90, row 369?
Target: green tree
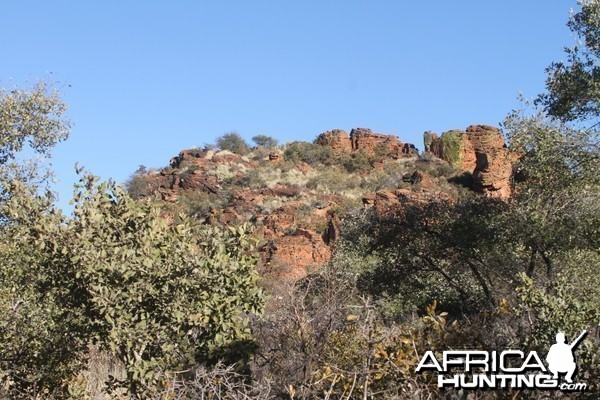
column 418, row 252
column 233, row 142
column 555, row 213
column 31, row 116
column 140, row 184
column 41, row 342
column 309, row 153
column 43, row 333
column 573, row 87
column 30, row 119
column 555, row 208
column 160, row 296
column 265, row 141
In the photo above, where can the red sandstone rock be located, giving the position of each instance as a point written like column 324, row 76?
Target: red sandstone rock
column 293, row 256
column 280, row 221
column 366, row 141
column 379, row 144
column 198, row 180
column 337, row 139
column 479, row 150
column 300, row 236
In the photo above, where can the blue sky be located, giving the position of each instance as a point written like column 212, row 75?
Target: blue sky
column 145, row 80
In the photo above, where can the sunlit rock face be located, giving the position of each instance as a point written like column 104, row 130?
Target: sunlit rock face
column 480, row 150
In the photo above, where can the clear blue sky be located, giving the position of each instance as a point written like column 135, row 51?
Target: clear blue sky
column 147, row 79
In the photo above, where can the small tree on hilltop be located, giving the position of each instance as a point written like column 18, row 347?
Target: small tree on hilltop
column 233, row 142
column 265, row 141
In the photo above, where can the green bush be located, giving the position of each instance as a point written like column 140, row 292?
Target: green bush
column 41, row 343
column 253, row 179
column 233, row 142
column 355, row 162
column 197, row 204
column 265, row 141
column 161, row 297
column 309, row 153
column 138, row 185
column 43, row 332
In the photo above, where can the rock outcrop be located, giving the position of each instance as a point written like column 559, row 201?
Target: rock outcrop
column 298, row 235
column 299, row 225
column 337, row 139
column 293, row 256
column 366, row 141
column 196, row 169
column 481, row 151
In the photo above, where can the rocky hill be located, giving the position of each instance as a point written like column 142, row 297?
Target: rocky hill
column 297, row 194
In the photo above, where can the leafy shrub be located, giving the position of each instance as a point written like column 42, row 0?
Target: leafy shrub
column 158, row 296
column 139, row 185
column 197, row 204
column 569, row 304
column 41, row 345
column 364, row 358
column 43, row 333
column 382, row 151
column 260, row 153
column 436, row 167
column 253, row 179
column 423, row 252
column 309, row 153
column 355, row 162
column 233, row 142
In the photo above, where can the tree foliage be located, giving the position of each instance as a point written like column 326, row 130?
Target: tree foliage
column 233, row 142
column 556, row 204
column 573, row 87
column 265, row 141
column 160, row 297
column 30, row 119
column 31, row 116
column 42, row 331
column 309, row 153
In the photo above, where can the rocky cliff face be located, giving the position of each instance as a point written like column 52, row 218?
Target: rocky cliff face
column 479, row 150
column 297, row 233
column 297, row 221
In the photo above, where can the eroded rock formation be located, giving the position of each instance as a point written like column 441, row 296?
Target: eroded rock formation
column 366, row 141
column 298, row 225
column 479, row 150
